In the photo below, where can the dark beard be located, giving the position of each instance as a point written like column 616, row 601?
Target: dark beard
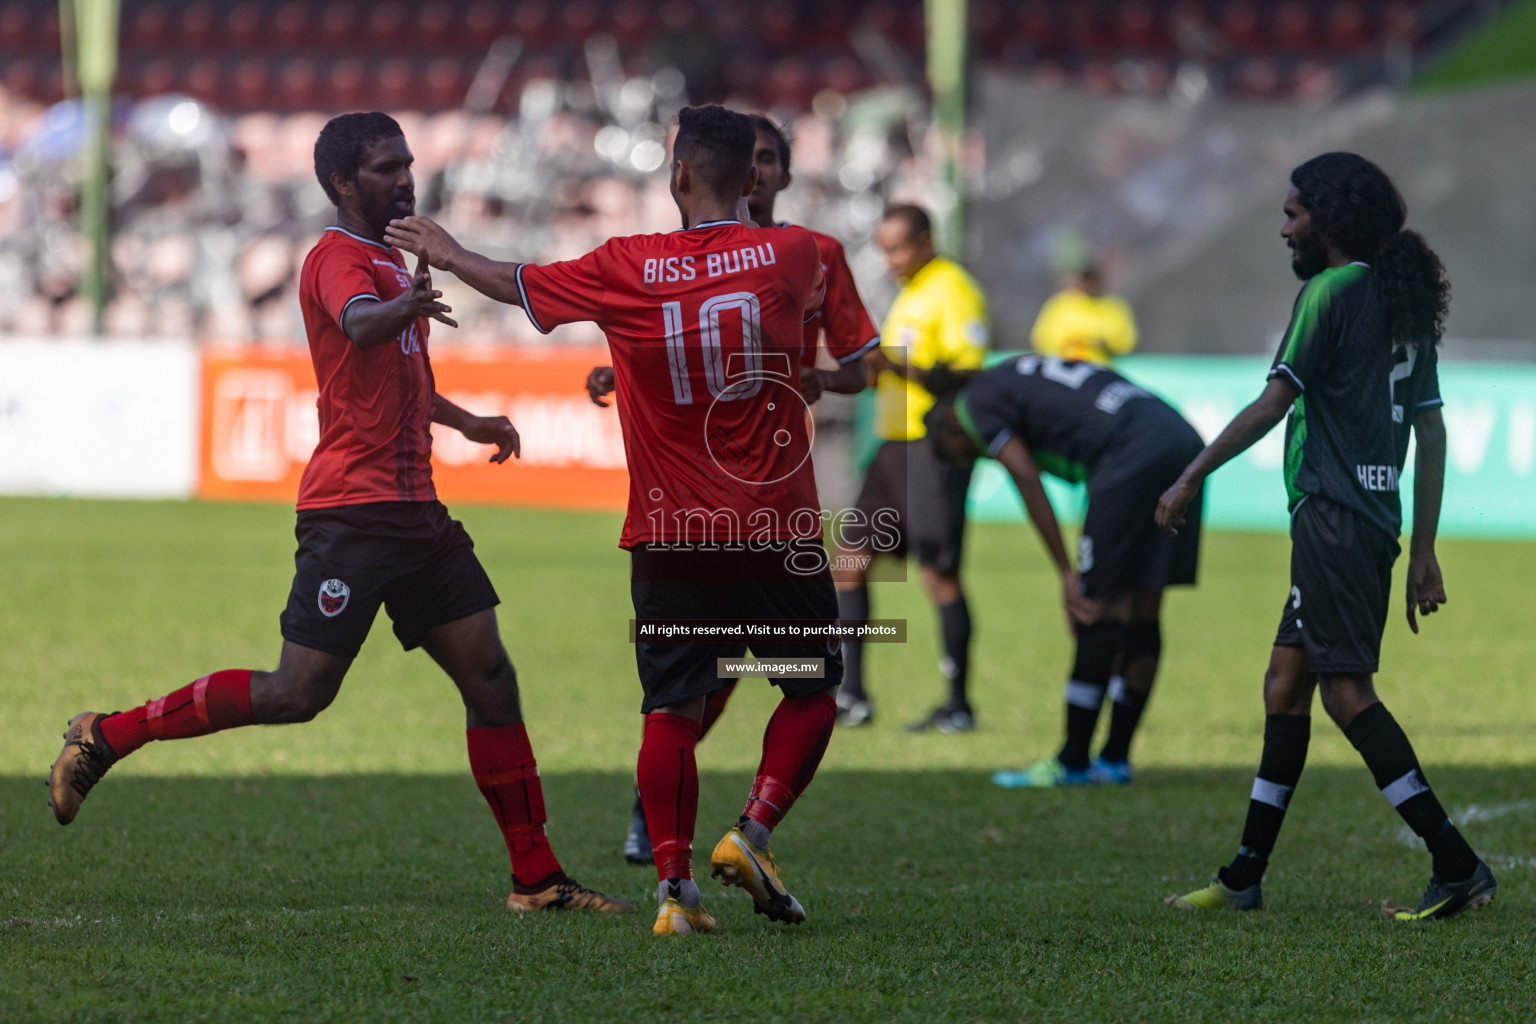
column 1309, row 256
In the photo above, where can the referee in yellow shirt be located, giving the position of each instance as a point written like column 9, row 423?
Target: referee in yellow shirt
column 1081, row 322
column 913, row 502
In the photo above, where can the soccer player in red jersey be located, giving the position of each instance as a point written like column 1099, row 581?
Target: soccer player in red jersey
column 848, row 330
column 705, row 328
column 370, row 528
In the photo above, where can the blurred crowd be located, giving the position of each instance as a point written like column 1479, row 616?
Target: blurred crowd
column 212, row 215
column 540, row 130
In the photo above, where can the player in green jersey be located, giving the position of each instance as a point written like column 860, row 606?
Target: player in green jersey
column 1356, row 370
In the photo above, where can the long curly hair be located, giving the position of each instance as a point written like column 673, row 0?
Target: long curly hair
column 1355, row 206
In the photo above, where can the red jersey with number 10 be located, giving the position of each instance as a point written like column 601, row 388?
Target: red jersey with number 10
column 375, row 404
column 705, row 329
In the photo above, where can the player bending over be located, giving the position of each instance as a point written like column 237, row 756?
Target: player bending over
column 1081, row 421
column 370, row 528
column 848, row 330
column 704, row 326
column 1356, row 369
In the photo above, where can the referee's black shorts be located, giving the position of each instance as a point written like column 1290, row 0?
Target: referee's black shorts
column 912, row 502
column 730, row 586
column 1341, row 588
column 409, row 556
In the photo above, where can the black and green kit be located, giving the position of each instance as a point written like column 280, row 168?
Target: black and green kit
column 1083, row 422
column 1356, row 396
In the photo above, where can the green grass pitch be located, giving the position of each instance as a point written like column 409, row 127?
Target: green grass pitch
column 348, row 870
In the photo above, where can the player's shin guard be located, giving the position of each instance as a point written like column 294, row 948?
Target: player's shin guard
column 1141, row 647
column 714, row 707
column 217, row 701
column 669, row 788
column 1097, row 646
column 955, row 629
column 793, row 745
column 1285, row 755
column 1388, row 754
column 853, row 606
column 502, row 761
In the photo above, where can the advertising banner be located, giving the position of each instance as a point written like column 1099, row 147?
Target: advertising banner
column 260, row 426
column 98, row 419
column 1490, row 475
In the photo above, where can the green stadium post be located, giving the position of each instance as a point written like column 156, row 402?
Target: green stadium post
column 947, row 36
column 95, row 40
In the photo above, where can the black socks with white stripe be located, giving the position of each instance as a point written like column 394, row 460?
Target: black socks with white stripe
column 1388, row 754
column 1285, row 755
column 1097, row 646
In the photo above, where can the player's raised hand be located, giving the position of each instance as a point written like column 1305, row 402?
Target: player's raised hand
column 424, row 299
column 422, row 237
column 1171, row 506
column 496, row 430
column 600, row 384
column 1426, row 587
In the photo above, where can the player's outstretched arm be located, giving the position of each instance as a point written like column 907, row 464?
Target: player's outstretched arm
column 496, row 430
column 845, row 380
column 371, row 324
column 1020, row 465
column 1426, row 587
column 426, row 238
column 1258, row 419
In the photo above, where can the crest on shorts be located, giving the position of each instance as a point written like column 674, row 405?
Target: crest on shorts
column 333, row 597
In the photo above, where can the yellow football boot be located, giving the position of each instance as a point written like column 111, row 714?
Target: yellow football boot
column 672, row 918
column 1217, row 896
column 737, row 862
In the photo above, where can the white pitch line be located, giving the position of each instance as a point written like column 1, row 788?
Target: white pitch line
column 1474, row 813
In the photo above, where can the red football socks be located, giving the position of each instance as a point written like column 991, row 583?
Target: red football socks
column 221, row 700
column 669, row 789
column 714, row 707
column 793, row 744
column 508, row 776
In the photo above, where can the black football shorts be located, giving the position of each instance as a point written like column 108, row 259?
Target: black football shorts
column 1341, row 588
column 908, row 485
column 1121, row 548
column 683, row 583
column 409, row 556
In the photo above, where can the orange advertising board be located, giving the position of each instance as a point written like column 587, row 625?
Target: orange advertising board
column 259, row 426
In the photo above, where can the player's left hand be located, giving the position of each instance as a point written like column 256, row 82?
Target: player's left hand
column 1081, row 611
column 423, row 237
column 1426, row 588
column 496, row 430
column 810, row 385
column 600, row 384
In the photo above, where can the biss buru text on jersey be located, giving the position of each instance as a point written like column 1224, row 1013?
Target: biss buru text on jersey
column 716, row 264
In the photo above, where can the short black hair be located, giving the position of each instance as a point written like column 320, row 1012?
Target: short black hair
column 766, row 126
column 918, row 222
column 717, row 145
column 948, row 437
column 339, row 149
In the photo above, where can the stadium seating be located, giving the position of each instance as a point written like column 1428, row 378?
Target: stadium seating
column 284, row 54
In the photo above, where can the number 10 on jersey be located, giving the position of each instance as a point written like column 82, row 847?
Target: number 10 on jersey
column 742, row 385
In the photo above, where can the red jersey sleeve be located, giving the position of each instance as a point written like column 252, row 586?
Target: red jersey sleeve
column 343, row 276
column 848, row 331
column 564, row 292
